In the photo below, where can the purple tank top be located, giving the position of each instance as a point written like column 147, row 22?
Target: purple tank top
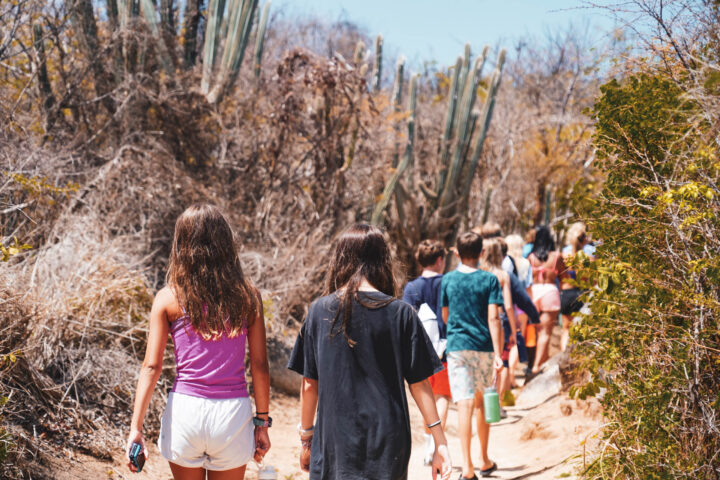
column 208, row 368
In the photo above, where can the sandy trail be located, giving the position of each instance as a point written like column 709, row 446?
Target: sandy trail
column 542, row 438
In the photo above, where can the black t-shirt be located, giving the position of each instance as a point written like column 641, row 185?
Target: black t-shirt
column 362, row 429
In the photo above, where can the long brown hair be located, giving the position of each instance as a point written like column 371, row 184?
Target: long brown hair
column 360, row 252
column 206, row 275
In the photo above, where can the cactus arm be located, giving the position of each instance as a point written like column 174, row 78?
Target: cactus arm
column 485, row 120
column 359, row 55
column 148, row 11
column 192, row 20
column 427, row 191
column 167, row 19
column 241, row 20
column 112, row 13
column 407, row 157
column 397, row 102
column 447, row 132
column 216, row 9
column 260, row 39
column 462, row 137
column 377, row 68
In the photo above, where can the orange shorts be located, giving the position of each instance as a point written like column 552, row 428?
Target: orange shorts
column 440, row 383
column 530, row 338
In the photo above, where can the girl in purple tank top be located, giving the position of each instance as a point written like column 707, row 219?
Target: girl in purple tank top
column 212, row 312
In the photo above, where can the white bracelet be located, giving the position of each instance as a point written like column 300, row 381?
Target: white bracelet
column 305, row 432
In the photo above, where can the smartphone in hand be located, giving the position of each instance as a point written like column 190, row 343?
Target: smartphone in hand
column 137, row 456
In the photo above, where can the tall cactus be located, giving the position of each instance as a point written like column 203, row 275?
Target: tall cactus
column 407, row 156
column 377, row 67
column 260, row 39
column 240, row 23
column 459, row 150
column 147, row 8
column 216, row 8
column 397, row 102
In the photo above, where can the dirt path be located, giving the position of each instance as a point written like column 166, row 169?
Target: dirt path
column 542, row 438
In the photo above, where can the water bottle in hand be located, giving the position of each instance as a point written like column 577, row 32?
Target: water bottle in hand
column 492, row 405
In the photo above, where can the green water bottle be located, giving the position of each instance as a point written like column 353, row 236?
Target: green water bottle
column 492, row 405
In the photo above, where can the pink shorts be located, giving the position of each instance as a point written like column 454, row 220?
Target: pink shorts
column 546, row 297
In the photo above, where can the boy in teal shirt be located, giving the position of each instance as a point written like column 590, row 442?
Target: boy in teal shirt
column 470, row 303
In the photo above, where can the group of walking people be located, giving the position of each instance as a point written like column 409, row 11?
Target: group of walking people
column 451, row 335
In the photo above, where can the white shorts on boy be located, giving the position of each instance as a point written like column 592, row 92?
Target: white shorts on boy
column 215, row 434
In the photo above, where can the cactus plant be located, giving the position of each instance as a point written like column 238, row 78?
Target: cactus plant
column 240, row 23
column 407, row 156
column 148, row 11
column 397, row 92
column 260, row 39
column 377, row 68
column 459, row 150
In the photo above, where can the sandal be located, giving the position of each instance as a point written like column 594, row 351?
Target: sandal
column 488, row 471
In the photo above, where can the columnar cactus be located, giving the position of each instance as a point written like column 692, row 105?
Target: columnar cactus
column 407, row 156
column 377, row 68
column 260, row 39
column 461, row 144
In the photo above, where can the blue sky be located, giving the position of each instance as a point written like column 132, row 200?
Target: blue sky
column 438, row 29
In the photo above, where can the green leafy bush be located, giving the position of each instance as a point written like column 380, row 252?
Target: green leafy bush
column 651, row 340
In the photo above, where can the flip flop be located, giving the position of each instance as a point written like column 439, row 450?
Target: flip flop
column 488, row 471
column 474, row 477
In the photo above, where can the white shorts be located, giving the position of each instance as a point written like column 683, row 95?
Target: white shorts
column 215, row 434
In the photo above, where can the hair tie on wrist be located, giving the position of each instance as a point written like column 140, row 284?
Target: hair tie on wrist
column 434, row 424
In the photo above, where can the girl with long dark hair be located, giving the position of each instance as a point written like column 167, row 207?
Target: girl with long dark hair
column 547, row 267
column 356, row 349
column 211, row 311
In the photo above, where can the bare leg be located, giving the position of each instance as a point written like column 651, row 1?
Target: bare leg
column 465, row 411
column 514, row 360
column 442, row 403
column 186, row 473
column 502, row 382
column 565, row 338
column 234, row 474
column 483, row 429
column 543, row 338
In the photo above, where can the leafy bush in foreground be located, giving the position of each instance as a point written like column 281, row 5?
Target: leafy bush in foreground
column 652, row 340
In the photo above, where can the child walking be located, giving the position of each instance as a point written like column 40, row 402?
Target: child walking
column 356, row 349
column 471, row 299
column 211, row 311
column 425, row 289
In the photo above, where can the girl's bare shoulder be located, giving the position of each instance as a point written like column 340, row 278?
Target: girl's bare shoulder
column 166, row 300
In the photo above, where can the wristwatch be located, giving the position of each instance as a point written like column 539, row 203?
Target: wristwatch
column 261, row 422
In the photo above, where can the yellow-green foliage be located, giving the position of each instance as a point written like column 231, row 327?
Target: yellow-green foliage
column 651, row 339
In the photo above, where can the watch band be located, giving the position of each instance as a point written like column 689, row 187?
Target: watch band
column 261, row 422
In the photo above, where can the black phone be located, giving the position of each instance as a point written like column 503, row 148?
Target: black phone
column 137, row 456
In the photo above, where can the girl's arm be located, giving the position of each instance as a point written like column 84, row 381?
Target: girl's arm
column 496, row 334
column 509, row 308
column 308, row 407
column 257, row 346
column 151, row 367
column 425, row 400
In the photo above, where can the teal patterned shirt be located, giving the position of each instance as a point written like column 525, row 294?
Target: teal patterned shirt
column 467, row 296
